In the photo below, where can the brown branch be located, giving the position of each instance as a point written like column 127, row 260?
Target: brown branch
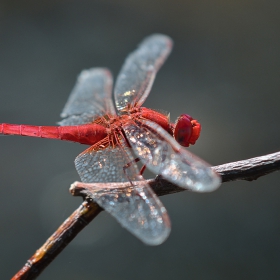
column 250, row 169
column 59, row 240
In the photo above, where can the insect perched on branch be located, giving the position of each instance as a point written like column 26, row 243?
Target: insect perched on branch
column 114, row 130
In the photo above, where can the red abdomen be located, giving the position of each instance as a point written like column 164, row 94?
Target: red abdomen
column 88, row 134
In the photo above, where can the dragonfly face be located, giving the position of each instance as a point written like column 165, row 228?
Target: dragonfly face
column 186, row 130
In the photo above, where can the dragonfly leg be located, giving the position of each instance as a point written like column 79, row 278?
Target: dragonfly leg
column 142, row 169
column 125, row 168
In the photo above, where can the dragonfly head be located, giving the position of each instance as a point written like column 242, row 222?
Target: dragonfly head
column 186, row 130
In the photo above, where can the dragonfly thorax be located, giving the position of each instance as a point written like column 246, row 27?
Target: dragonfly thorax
column 186, row 130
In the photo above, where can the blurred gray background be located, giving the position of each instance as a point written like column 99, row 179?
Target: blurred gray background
column 224, row 71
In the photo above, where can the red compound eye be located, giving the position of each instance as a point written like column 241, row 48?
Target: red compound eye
column 187, row 130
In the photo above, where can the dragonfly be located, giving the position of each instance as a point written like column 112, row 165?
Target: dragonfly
column 122, row 133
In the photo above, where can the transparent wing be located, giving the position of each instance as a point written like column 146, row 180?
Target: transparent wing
column 138, row 72
column 163, row 155
column 136, row 207
column 106, row 165
column 77, row 119
column 91, row 97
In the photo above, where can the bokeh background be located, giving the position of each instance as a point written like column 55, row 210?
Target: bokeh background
column 224, row 71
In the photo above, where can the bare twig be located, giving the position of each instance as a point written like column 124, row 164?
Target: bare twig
column 80, row 218
column 250, row 169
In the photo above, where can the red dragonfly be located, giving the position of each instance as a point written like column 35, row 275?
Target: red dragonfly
column 115, row 132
